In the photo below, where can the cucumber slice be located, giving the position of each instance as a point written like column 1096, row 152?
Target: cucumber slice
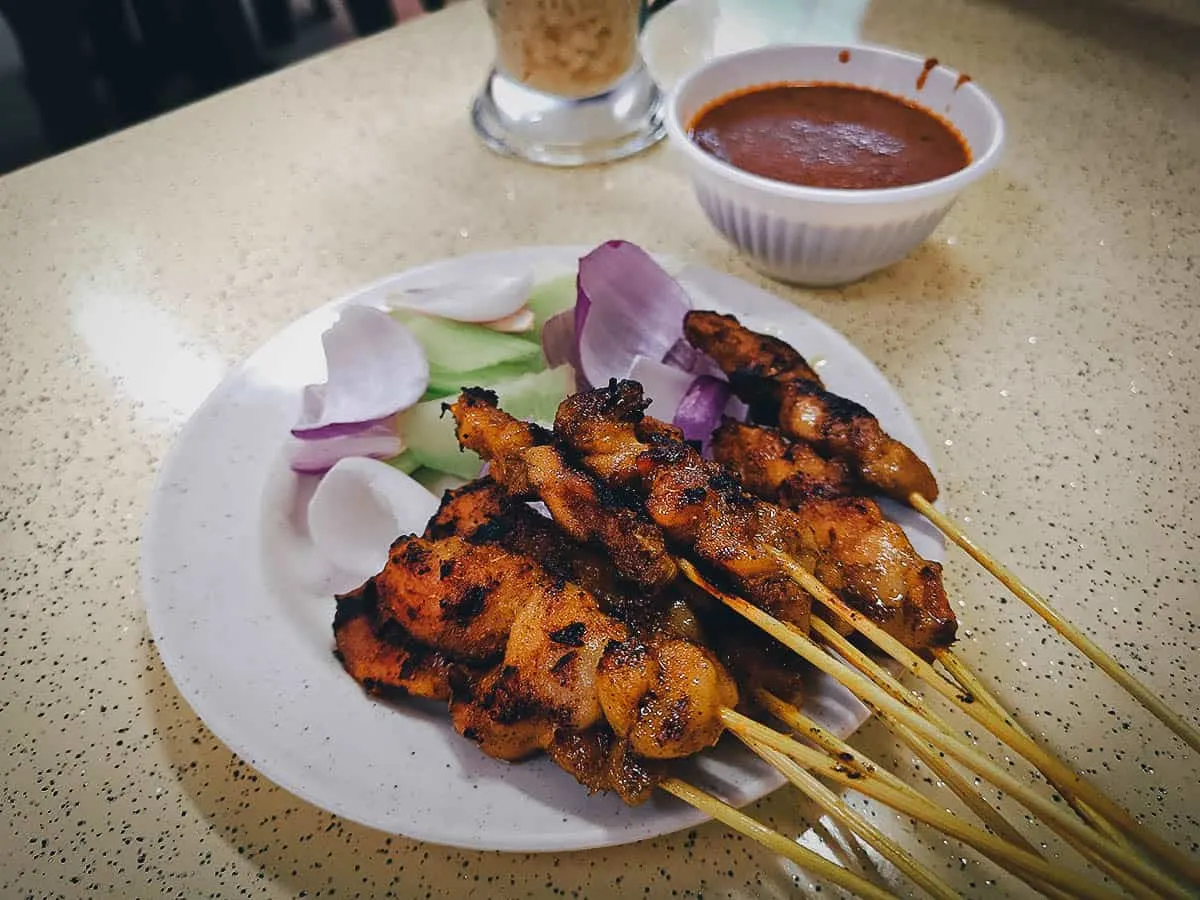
column 446, row 383
column 437, row 483
column 430, row 435
column 405, row 462
column 548, row 299
column 459, row 346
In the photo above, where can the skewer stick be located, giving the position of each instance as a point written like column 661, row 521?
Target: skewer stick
column 963, row 675
column 884, row 679
column 1185, row 730
column 812, row 787
column 962, row 788
column 1068, row 782
column 774, row 841
column 1116, row 857
column 869, row 667
column 1024, row 865
column 802, row 724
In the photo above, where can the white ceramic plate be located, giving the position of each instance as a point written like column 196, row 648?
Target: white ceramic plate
column 241, row 608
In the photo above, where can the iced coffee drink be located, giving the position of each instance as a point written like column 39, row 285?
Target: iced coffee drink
column 572, row 48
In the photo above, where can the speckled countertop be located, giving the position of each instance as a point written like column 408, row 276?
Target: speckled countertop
column 1047, row 338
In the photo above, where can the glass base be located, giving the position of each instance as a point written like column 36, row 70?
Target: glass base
column 562, row 131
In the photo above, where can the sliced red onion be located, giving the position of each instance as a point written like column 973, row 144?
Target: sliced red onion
column 360, row 507
column 682, row 355
column 559, row 346
column 315, row 455
column 701, row 408
column 664, row 385
column 558, row 339
column 629, row 307
column 693, row 403
column 374, row 366
column 582, row 305
column 340, row 429
column 481, row 299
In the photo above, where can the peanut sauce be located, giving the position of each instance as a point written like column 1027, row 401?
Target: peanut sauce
column 829, row 135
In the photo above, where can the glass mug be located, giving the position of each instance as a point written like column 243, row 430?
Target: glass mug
column 568, row 86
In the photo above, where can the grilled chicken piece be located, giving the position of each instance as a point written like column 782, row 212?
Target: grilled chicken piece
column 865, row 558
column 382, row 659
column 697, row 503
column 465, row 509
column 780, row 470
column 602, row 762
column 588, row 512
column 804, row 410
column 545, row 693
column 458, row 597
column 665, row 698
column 868, row 561
column 495, row 713
column 555, row 645
column 748, row 353
column 481, row 512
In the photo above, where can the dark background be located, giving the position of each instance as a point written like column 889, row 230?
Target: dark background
column 74, row 70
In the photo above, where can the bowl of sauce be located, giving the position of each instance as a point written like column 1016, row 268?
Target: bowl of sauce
column 825, row 163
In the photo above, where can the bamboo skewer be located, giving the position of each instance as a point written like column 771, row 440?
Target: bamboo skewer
column 1068, row 782
column 962, row 673
column 774, row 841
column 1185, row 730
column 1025, row 865
column 884, row 679
column 812, row 787
column 960, row 786
column 1115, row 856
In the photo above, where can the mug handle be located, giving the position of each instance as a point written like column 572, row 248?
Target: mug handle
column 650, row 7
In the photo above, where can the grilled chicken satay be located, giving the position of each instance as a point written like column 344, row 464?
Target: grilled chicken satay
column 600, row 698
column 863, row 556
column 524, row 463
column 608, row 699
column 780, row 470
column 481, row 511
column 698, row 504
column 781, row 388
column 386, row 662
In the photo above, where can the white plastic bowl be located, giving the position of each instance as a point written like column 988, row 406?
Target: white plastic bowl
column 828, row 236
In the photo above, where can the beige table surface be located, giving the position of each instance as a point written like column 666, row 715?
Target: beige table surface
column 1047, row 338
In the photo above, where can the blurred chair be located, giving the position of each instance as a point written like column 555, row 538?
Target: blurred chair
column 370, row 16
column 96, row 65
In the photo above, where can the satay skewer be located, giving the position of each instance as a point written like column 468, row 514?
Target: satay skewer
column 1113, row 858
column 777, row 381
column 620, row 459
column 499, row 534
column 871, row 669
column 1070, row 783
column 801, row 778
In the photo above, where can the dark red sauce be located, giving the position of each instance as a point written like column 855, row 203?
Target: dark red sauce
column 962, row 79
column 844, row 56
column 827, row 135
column 930, row 65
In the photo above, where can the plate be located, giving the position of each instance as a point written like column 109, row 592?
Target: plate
column 240, row 607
